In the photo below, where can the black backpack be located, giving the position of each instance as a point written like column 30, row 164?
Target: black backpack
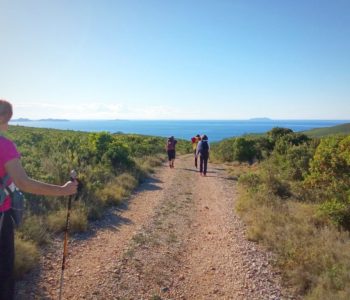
column 204, row 148
column 17, row 199
column 171, row 144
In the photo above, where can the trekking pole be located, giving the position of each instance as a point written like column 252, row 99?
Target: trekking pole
column 73, row 176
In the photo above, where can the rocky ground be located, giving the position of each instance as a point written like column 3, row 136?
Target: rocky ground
column 177, row 237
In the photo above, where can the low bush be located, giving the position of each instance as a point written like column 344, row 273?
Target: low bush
column 244, row 150
column 250, row 180
column 126, row 181
column 56, row 221
column 112, row 194
column 312, row 254
column 34, row 228
column 222, row 152
column 337, row 211
column 27, row 256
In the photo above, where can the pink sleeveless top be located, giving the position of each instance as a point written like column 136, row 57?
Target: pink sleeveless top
column 8, row 152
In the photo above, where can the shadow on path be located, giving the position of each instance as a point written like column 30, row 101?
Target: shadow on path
column 112, row 219
column 197, row 170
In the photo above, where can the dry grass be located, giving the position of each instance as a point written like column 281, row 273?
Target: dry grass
column 27, row 256
column 236, row 169
column 127, row 182
column 56, row 221
column 312, row 254
column 34, row 228
column 115, row 191
column 112, row 194
column 149, row 163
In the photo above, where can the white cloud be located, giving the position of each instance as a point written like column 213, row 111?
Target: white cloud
column 40, row 110
column 93, row 110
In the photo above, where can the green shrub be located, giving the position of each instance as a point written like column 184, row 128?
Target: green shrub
column 296, row 162
column 330, row 168
column 117, row 155
column 337, row 211
column 223, row 151
column 284, row 142
column 99, row 143
column 263, row 147
column 250, row 180
column 243, row 150
column 275, row 184
column 278, row 132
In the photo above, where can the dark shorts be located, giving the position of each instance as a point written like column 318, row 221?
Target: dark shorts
column 7, row 258
column 171, row 154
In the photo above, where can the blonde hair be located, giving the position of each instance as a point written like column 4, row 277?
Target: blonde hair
column 5, row 111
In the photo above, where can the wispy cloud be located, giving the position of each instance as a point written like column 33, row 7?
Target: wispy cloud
column 92, row 110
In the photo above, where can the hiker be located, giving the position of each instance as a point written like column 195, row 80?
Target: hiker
column 195, row 140
column 170, row 148
column 10, row 164
column 203, row 149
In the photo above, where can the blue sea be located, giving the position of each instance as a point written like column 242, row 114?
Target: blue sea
column 183, row 129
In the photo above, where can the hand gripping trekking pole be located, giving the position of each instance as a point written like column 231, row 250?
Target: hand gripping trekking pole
column 73, row 176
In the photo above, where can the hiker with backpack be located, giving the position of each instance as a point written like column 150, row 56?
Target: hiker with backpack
column 195, row 140
column 12, row 175
column 203, row 149
column 170, row 148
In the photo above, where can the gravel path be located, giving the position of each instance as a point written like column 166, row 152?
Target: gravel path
column 178, row 237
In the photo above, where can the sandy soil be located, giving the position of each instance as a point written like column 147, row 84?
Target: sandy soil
column 177, row 237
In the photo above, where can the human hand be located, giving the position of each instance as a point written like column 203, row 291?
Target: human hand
column 70, row 187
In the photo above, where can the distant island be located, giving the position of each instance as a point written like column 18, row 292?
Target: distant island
column 53, row 120
column 260, row 119
column 21, row 120
column 40, row 120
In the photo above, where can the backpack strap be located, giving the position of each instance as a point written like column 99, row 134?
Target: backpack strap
column 4, row 179
column 8, row 188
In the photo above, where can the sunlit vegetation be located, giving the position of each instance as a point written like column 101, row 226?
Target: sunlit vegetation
column 295, row 199
column 109, row 166
column 321, row 132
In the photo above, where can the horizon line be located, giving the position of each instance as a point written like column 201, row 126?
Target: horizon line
column 209, row 119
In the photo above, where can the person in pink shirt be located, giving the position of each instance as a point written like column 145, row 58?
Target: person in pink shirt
column 10, row 164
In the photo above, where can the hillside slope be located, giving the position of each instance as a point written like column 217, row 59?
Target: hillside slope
column 320, row 132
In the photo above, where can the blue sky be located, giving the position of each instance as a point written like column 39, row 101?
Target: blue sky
column 148, row 59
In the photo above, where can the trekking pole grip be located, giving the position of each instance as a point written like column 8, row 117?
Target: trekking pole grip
column 73, row 175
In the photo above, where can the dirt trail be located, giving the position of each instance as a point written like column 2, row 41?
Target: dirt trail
column 178, row 237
